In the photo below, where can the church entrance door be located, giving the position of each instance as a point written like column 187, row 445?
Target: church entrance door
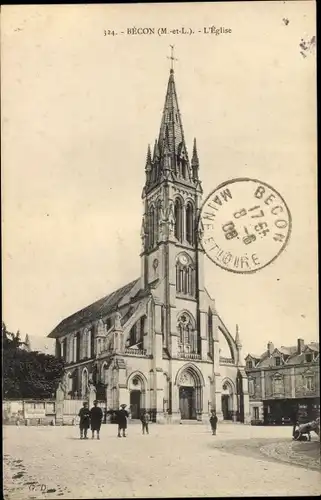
column 225, row 407
column 187, row 403
column 135, row 398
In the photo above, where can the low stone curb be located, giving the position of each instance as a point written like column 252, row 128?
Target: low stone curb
column 285, row 453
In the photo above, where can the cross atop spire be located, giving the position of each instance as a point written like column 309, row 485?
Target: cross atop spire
column 170, row 157
column 172, row 58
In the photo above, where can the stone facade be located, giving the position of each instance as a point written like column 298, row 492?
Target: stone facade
column 155, row 343
column 284, row 379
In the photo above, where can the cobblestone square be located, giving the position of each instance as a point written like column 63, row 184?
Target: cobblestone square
column 179, row 461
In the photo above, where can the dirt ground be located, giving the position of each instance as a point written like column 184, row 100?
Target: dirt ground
column 179, row 461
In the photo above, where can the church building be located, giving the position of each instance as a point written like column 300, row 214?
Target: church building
column 156, row 343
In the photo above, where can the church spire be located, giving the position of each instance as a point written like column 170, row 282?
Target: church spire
column 171, row 133
column 170, row 158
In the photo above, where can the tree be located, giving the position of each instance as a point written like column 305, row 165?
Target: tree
column 10, row 339
column 28, row 374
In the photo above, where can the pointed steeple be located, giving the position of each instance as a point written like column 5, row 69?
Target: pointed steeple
column 170, row 157
column 171, row 139
column 195, row 161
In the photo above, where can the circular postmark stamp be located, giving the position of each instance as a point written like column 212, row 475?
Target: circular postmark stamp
column 245, row 224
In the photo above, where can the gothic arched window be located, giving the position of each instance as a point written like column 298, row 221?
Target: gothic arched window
column 151, row 229
column 184, row 168
column 74, row 348
column 141, row 328
column 78, row 353
column 189, row 223
column 92, row 342
column 187, row 334
column 185, row 276
column 158, row 218
column 181, row 332
column 178, row 213
column 85, row 342
column 133, row 334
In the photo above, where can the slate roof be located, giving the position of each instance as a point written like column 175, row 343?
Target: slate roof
column 314, row 346
column 101, row 307
column 259, row 356
column 290, row 353
column 288, row 350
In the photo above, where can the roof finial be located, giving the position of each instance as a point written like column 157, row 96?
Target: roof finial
column 148, row 159
column 237, row 336
column 172, row 58
column 156, row 151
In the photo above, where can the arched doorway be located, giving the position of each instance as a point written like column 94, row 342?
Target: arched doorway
column 190, row 393
column 227, row 400
column 136, row 386
column 187, row 403
column 135, row 404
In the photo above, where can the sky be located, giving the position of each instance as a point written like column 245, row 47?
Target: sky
column 78, row 111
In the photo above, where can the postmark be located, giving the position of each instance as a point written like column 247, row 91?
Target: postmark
column 245, row 224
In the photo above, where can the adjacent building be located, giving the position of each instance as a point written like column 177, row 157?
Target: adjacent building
column 156, row 342
column 283, row 380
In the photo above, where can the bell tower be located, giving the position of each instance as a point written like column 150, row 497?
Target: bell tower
column 171, row 257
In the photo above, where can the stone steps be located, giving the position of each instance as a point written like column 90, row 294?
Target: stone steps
column 192, row 422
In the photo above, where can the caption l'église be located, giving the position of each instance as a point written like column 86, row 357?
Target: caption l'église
column 206, row 30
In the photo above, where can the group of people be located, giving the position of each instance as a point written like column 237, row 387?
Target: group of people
column 93, row 418
column 90, row 418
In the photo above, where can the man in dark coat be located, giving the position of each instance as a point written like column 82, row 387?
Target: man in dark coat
column 96, row 416
column 122, row 416
column 213, row 422
column 84, row 415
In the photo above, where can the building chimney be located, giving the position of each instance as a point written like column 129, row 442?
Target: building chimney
column 300, row 345
column 270, row 348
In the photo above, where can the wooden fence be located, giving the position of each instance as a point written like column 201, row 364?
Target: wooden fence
column 40, row 412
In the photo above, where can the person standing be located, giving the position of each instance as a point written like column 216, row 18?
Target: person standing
column 213, row 422
column 84, row 415
column 96, row 416
column 145, row 421
column 122, row 416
